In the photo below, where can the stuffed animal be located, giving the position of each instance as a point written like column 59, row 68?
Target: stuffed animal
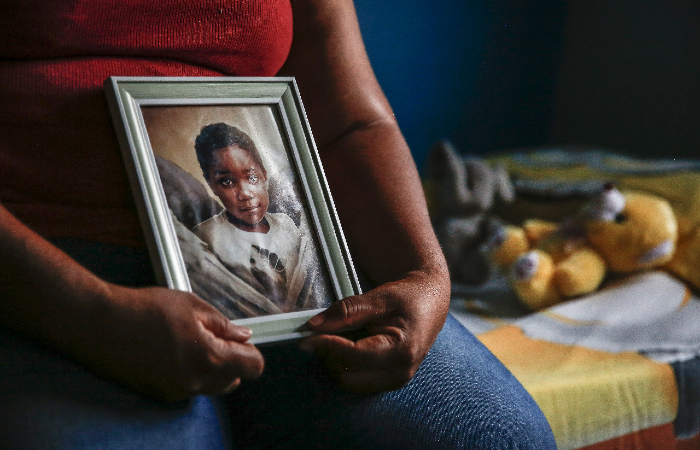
column 620, row 232
column 462, row 191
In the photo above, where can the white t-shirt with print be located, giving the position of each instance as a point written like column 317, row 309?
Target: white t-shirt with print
column 271, row 262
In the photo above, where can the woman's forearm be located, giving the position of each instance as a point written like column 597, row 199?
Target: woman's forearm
column 161, row 342
column 45, row 293
column 372, row 175
column 379, row 197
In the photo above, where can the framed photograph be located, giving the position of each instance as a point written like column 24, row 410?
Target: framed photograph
column 232, row 197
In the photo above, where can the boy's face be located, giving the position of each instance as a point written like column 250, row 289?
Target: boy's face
column 241, row 185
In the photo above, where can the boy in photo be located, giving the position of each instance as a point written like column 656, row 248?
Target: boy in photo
column 267, row 250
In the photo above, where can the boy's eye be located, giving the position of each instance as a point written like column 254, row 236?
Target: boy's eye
column 226, row 181
column 252, row 178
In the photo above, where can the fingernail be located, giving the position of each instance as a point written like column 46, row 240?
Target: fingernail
column 315, row 320
column 246, row 332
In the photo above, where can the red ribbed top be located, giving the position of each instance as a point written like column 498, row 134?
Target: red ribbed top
column 60, row 166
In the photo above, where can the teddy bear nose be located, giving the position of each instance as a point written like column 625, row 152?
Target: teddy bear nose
column 658, row 252
column 526, row 266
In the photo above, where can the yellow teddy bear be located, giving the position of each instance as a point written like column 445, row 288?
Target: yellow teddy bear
column 616, row 231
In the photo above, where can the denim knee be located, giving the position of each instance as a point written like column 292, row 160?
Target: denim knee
column 462, row 397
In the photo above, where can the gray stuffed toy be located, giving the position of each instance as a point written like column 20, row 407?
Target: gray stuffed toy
column 464, row 190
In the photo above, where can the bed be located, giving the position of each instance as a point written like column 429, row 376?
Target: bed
column 616, row 369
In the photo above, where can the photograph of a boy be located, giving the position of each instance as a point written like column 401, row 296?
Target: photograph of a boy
column 267, row 250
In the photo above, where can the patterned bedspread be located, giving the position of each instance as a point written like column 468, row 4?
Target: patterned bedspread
column 600, row 366
column 623, row 359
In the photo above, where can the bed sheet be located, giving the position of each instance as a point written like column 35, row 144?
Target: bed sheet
column 616, row 369
column 593, row 364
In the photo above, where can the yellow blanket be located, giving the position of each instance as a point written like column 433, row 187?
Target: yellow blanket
column 588, row 396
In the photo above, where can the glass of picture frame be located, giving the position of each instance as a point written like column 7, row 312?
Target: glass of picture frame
column 232, row 197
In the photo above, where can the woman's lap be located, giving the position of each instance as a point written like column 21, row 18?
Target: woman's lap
column 49, row 402
column 461, row 397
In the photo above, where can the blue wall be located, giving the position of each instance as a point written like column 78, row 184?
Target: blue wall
column 479, row 73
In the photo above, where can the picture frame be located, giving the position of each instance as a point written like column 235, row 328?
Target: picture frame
column 196, row 205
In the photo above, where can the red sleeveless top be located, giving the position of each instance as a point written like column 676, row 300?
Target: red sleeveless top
column 61, row 170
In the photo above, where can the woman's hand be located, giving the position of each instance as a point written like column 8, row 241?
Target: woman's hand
column 161, row 342
column 398, row 323
column 164, row 343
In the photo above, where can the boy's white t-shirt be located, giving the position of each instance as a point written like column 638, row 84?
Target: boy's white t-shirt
column 235, row 248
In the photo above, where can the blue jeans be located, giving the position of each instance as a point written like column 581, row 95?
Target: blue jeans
column 49, row 402
column 461, row 397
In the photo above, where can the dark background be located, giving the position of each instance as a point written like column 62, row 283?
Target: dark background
column 617, row 74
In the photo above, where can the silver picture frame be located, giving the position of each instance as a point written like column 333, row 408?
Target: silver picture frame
column 157, row 120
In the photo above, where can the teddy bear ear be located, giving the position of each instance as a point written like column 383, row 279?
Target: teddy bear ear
column 503, row 184
column 465, row 185
column 606, row 205
column 447, row 168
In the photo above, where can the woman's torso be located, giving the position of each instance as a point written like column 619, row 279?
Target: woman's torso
column 60, row 166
